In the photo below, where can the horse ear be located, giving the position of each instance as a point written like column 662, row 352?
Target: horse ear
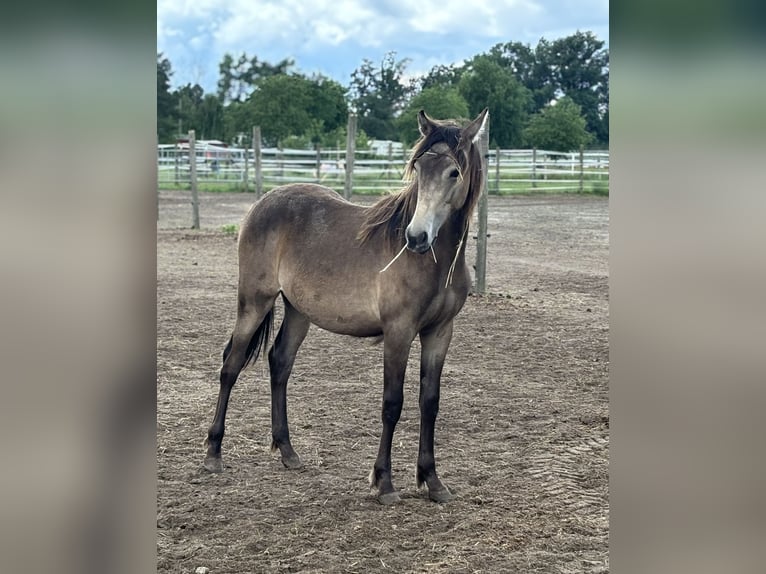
column 473, row 131
column 425, row 124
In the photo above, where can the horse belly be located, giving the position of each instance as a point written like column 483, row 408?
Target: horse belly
column 337, row 310
column 322, row 269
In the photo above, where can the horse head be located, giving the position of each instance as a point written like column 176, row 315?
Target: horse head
column 446, row 165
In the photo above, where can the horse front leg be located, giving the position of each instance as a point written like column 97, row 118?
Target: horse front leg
column 396, row 351
column 434, row 346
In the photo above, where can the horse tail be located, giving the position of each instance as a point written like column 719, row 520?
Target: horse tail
column 257, row 341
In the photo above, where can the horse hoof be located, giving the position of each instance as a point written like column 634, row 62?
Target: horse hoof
column 213, row 464
column 389, row 498
column 441, row 495
column 292, row 462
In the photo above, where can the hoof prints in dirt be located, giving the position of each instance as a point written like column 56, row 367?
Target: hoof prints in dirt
column 522, row 433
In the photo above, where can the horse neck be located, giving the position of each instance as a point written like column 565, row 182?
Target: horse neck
column 450, row 235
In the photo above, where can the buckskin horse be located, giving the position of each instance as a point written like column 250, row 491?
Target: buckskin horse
column 394, row 270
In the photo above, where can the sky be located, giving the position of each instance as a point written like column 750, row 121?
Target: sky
column 332, row 37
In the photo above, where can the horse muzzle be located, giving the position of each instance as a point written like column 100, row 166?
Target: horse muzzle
column 418, row 242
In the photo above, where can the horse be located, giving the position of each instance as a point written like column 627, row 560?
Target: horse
column 375, row 271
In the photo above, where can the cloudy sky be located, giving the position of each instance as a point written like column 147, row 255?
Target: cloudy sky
column 332, row 37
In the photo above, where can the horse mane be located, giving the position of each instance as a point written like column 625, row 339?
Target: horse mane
column 390, row 216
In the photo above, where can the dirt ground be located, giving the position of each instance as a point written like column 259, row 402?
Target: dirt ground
column 522, row 437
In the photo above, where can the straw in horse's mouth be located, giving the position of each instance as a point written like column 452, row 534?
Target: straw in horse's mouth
column 457, row 253
column 402, row 251
column 394, row 259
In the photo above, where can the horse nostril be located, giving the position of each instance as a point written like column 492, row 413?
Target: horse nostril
column 417, row 241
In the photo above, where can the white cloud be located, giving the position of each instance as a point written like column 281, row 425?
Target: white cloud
column 335, row 35
column 298, row 23
column 186, row 8
column 482, row 18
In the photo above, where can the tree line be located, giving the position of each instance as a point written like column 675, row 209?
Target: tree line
column 553, row 96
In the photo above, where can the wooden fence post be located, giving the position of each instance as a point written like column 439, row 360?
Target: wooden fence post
column 177, row 159
column 350, row 148
column 193, row 176
column 481, row 244
column 582, row 175
column 258, row 168
column 247, row 167
column 534, row 167
column 497, row 170
column 319, row 164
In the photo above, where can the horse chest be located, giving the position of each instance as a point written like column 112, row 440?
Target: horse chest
column 446, row 305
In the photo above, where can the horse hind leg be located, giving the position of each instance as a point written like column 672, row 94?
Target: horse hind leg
column 255, row 317
column 291, row 334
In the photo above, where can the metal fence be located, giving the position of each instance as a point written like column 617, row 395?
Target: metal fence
column 509, row 171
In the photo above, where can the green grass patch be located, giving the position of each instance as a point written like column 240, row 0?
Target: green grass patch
column 379, row 183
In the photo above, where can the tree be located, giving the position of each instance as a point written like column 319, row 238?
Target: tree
column 238, row 80
column 293, row 105
column 378, row 95
column 529, row 68
column 189, row 102
column 236, row 122
column 439, row 102
column 487, row 84
column 442, row 76
column 210, row 118
column 558, row 127
column 580, row 68
column 327, row 105
column 166, row 112
column 226, row 79
column 576, row 66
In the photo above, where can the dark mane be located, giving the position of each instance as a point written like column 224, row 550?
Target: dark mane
column 391, row 215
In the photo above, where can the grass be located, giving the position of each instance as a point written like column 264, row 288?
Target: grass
column 594, row 183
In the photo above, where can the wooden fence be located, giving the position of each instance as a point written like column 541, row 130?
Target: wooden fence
column 509, row 171
column 364, row 171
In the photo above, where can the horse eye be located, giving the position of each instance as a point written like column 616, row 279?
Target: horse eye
column 454, row 173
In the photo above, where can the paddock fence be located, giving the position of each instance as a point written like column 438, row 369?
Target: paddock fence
column 373, row 172
column 211, row 166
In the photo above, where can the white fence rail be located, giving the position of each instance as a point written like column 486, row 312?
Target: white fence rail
column 509, row 171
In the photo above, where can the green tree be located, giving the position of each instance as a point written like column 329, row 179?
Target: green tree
column 378, row 95
column 293, row 105
column 226, row 79
column 558, row 127
column 486, row 83
column 439, row 102
column 529, row 68
column 189, row 103
column 237, row 80
column 579, row 64
column 236, row 121
column 327, row 105
column 166, row 110
column 210, row 118
column 335, row 139
column 442, row 76
column 576, row 66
